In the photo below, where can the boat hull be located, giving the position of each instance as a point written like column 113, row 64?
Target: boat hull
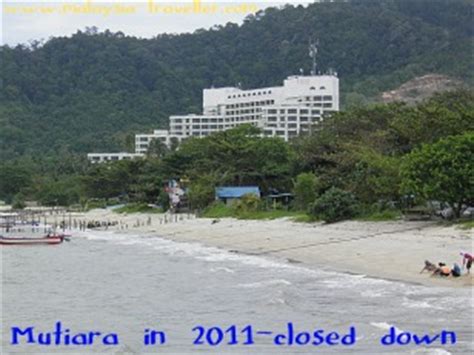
column 32, row 241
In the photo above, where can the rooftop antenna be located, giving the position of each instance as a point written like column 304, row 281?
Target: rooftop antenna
column 313, row 53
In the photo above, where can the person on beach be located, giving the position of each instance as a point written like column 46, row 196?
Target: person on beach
column 429, row 266
column 467, row 261
column 456, row 270
column 442, row 270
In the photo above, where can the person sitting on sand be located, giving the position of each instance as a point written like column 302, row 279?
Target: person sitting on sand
column 466, row 260
column 442, row 270
column 456, row 270
column 429, row 266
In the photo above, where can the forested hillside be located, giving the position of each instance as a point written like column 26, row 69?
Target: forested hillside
column 92, row 91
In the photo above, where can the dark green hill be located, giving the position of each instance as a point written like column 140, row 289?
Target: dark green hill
column 93, row 90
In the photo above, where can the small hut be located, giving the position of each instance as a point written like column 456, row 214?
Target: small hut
column 229, row 194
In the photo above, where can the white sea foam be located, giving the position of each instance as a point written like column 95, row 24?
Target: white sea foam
column 266, row 283
column 372, row 294
column 224, row 269
column 276, row 301
column 426, row 351
column 328, row 279
column 385, row 326
column 419, row 304
column 350, row 281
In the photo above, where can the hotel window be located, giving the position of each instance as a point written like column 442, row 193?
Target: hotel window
column 272, row 111
column 304, row 112
column 326, row 98
column 327, row 105
column 317, row 98
column 292, row 118
column 291, row 125
column 292, row 110
column 272, row 119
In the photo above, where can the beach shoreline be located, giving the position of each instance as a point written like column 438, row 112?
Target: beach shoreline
column 393, row 251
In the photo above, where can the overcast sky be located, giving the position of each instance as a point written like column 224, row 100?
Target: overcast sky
column 21, row 26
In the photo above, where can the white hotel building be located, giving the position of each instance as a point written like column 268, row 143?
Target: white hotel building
column 281, row 111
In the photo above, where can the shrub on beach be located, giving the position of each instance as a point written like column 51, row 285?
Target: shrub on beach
column 248, row 203
column 335, row 205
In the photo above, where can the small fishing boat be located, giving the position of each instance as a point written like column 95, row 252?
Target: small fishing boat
column 46, row 240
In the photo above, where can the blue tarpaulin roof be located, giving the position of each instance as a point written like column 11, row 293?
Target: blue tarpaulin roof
column 236, row 192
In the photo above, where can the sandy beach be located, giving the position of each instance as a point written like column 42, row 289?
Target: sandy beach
column 388, row 250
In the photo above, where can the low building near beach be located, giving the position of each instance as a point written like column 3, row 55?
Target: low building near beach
column 229, row 194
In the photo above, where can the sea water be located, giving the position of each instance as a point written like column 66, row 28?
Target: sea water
column 131, row 284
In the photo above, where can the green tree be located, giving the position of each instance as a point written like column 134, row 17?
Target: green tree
column 112, row 179
column 442, row 171
column 235, row 157
column 202, row 192
column 157, row 149
column 335, row 205
column 14, row 177
column 305, row 190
